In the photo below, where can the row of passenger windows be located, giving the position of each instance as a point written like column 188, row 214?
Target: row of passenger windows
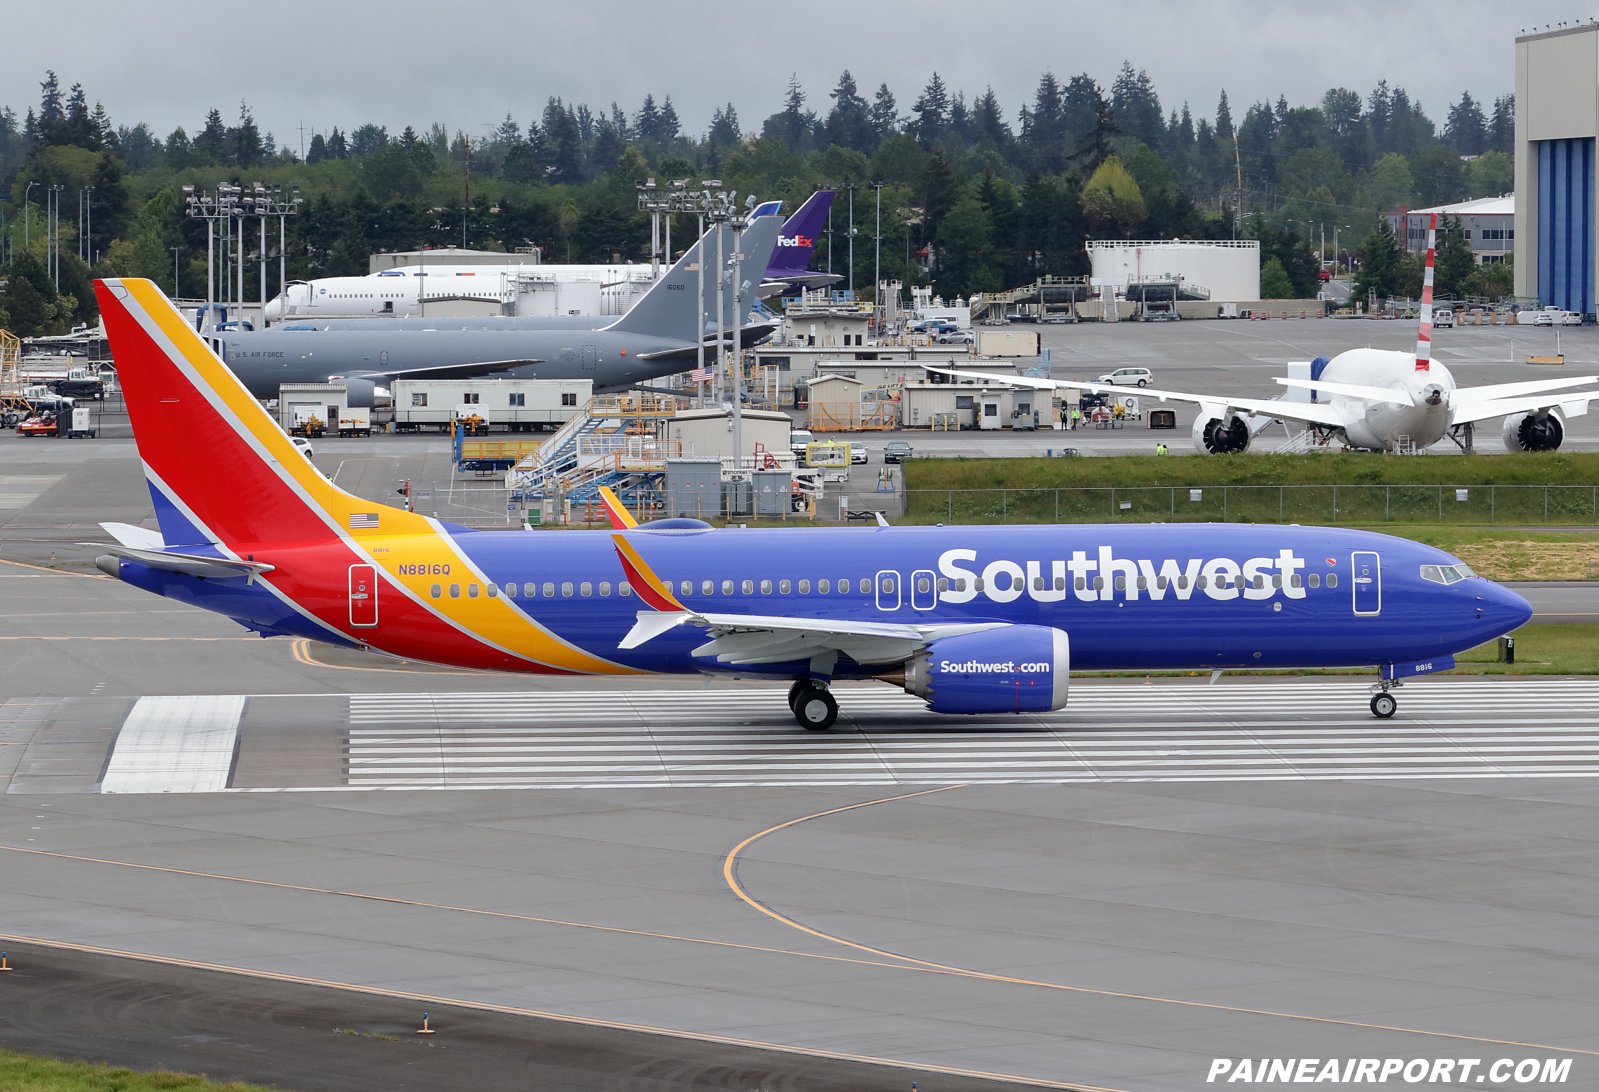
column 1002, row 582
column 530, row 590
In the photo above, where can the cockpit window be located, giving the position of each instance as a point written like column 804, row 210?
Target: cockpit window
column 1446, row 574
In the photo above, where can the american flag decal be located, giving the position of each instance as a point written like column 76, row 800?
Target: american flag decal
column 359, row 520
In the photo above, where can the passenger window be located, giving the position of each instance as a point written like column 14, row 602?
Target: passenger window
column 1161, row 582
column 843, row 586
column 805, row 587
column 727, row 587
column 977, row 584
column 1296, row 581
column 624, row 589
column 605, row 588
column 960, row 583
column 455, row 591
column 1143, row 582
column 1260, row 582
column 1081, row 583
column 783, row 587
column 510, row 590
column 823, row 587
column 1060, row 583
column 943, row 583
column 1201, row 582
column 437, row 591
column 471, row 591
column 1182, row 581
column 1038, row 583
column 923, row 585
column 707, row 587
column 687, row 588
column 1332, row 580
column 566, row 589
column 549, row 590
column 866, row 586
column 586, row 589
column 1099, row 583
column 766, row 587
column 494, row 591
column 888, row 586
column 531, row 589
column 748, row 587
column 1121, row 583
column 1277, row 581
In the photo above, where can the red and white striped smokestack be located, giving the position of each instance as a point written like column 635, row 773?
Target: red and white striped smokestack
column 1424, row 337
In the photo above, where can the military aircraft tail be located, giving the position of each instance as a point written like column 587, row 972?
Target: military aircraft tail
column 669, row 308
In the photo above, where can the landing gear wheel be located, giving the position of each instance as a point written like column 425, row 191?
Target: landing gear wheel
column 1383, row 705
column 794, row 691
column 815, row 709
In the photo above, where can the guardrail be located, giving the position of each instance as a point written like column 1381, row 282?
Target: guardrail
column 1325, row 504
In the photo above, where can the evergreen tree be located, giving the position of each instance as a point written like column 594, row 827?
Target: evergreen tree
column 368, row 139
column 52, row 120
column 338, row 148
column 585, row 120
column 724, row 127
column 409, row 139
column 1379, row 110
column 247, row 148
column 109, row 203
column 1136, row 107
column 561, row 144
column 1466, row 127
column 213, row 139
column 849, row 124
column 1409, row 130
column 1380, row 263
column 101, row 131
column 1502, row 130
column 794, row 124
column 1453, row 260
column 509, row 132
column 669, row 128
column 648, row 122
column 318, row 150
column 1224, row 119
column 1274, row 282
column 1044, row 125
column 885, row 114
column 80, row 130
column 931, row 111
column 988, row 121
column 960, row 117
column 1083, row 106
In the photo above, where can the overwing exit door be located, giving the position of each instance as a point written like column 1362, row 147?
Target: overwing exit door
column 363, row 595
column 1365, row 574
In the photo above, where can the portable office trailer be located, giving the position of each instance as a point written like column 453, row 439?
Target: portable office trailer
column 516, row 405
column 1008, row 343
column 708, row 433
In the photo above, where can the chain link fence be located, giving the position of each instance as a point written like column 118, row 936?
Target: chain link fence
column 1324, row 504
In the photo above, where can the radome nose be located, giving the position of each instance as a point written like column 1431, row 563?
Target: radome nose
column 1508, row 608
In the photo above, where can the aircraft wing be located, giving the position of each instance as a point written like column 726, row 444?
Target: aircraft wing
column 1310, row 412
column 476, row 370
column 768, row 639
column 1572, row 405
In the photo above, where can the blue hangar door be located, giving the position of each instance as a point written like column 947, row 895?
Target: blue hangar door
column 1566, row 224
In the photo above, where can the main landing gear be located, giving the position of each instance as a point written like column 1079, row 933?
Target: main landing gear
column 813, row 705
column 1384, row 704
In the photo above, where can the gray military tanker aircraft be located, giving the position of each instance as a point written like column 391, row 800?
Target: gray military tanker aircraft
column 658, row 336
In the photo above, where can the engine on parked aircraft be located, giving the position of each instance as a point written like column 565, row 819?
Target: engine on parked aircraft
column 1012, row 669
column 1215, row 436
column 1541, row 431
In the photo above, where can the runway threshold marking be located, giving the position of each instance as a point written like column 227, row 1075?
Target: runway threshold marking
column 542, row 1014
column 730, row 877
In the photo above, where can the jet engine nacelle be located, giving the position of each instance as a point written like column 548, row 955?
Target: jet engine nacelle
column 1221, row 436
column 1541, row 431
column 1013, row 669
column 361, row 392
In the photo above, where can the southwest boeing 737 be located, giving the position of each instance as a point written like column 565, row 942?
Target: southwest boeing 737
column 971, row 619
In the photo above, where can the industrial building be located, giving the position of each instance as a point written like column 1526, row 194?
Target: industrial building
column 1489, row 224
column 1557, row 120
column 1203, row 269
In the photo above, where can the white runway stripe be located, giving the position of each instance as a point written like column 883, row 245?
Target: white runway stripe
column 1237, row 731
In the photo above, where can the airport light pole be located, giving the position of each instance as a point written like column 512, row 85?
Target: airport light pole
column 26, row 214
column 175, row 292
column 213, row 207
column 877, row 263
column 851, row 239
column 55, row 234
column 88, row 238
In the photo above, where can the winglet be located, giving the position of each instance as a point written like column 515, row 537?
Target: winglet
column 655, row 593
column 621, row 518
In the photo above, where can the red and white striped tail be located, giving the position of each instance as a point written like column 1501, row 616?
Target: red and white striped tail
column 1424, row 336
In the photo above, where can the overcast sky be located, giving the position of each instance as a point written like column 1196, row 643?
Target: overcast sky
column 399, row 62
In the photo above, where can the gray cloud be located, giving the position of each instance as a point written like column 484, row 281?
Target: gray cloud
column 466, row 65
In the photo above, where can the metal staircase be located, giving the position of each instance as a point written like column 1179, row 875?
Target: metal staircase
column 595, row 448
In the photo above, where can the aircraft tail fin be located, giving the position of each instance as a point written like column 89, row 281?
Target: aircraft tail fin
column 797, row 241
column 670, row 308
column 222, row 474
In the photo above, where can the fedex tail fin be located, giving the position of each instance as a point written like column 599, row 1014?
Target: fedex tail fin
column 669, row 308
column 224, row 477
column 797, row 241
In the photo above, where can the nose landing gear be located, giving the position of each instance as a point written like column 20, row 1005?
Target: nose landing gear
column 1384, row 704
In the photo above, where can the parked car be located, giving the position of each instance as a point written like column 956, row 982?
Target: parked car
column 1129, row 377
column 1553, row 316
column 857, row 452
column 959, row 337
column 896, row 451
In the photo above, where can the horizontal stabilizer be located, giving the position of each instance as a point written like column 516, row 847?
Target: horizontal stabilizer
column 192, row 564
column 1353, row 390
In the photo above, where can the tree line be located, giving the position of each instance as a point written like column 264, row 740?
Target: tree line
column 975, row 196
